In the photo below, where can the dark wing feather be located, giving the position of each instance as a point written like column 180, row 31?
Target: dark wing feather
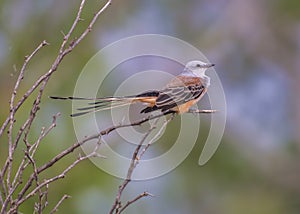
column 171, row 97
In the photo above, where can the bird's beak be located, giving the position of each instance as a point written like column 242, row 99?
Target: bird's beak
column 211, row 65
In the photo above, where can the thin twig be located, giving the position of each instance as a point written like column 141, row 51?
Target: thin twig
column 44, row 134
column 36, row 178
column 117, row 204
column 53, row 179
column 91, row 137
column 138, row 156
column 10, row 120
column 55, row 209
column 34, row 185
column 155, row 137
column 32, row 150
column 60, row 56
column 16, row 87
column 60, row 176
column 12, row 117
column 142, row 195
column 18, row 176
column 136, row 123
column 75, row 22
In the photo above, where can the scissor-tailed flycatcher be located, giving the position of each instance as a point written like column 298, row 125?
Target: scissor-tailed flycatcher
column 177, row 96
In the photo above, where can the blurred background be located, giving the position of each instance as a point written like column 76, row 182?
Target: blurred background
column 256, row 47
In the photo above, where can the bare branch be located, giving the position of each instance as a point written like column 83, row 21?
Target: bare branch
column 136, row 123
column 53, row 179
column 88, row 29
column 20, row 78
column 62, row 53
column 155, row 137
column 15, row 190
column 55, row 209
column 142, row 195
column 67, row 36
column 38, row 205
column 11, row 118
column 9, row 187
column 117, row 206
column 44, row 134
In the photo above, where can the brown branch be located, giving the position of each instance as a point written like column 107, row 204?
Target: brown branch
column 41, row 82
column 29, row 153
column 55, row 209
column 48, row 181
column 155, row 137
column 34, row 185
column 32, row 150
column 75, row 146
column 36, row 178
column 16, row 87
column 75, row 22
column 117, row 204
column 78, row 144
column 11, row 118
column 95, row 136
column 51, row 180
column 142, row 195
column 136, row 123
column 62, row 53
column 87, row 139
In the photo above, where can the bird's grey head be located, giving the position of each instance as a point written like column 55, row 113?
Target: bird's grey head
column 198, row 67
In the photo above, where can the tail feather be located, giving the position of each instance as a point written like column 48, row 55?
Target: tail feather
column 79, row 114
column 96, row 109
column 105, row 103
column 70, row 98
column 111, row 99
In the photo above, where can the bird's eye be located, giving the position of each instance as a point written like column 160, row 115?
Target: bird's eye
column 198, row 65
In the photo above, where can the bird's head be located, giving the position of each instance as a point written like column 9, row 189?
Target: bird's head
column 198, row 67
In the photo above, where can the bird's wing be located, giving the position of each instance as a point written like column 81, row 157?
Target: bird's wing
column 175, row 96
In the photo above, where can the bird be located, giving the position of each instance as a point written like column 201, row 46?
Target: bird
column 178, row 96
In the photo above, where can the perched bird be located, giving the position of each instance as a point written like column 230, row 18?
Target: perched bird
column 182, row 92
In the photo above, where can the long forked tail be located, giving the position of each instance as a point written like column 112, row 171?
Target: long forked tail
column 100, row 104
